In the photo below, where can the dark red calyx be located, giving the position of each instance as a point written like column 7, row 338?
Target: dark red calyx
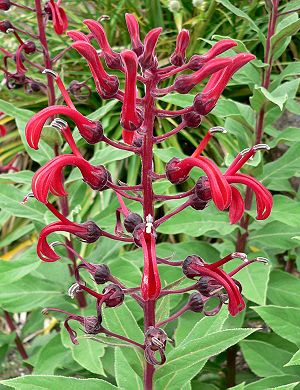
column 115, row 295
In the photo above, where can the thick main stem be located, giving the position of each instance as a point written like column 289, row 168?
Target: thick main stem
column 148, row 205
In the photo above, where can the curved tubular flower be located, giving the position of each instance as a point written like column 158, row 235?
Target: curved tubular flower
column 205, row 101
column 197, row 61
column 90, row 130
column 112, row 59
column 182, row 42
column 49, row 177
column 59, row 17
column 134, row 33
column 151, row 285
column 88, row 232
column 178, row 170
column 107, row 86
column 78, row 36
column 148, row 59
column 131, row 118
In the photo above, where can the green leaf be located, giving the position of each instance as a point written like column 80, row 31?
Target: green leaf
column 290, row 386
column 87, row 353
column 295, row 360
column 253, row 278
column 291, row 28
column 262, row 96
column 126, row 377
column 51, row 356
column 260, row 357
column 16, row 234
column 285, row 321
column 198, row 351
column 283, row 289
column 208, row 221
column 23, row 177
column 276, row 236
column 271, row 382
column 29, row 293
column 163, row 308
column 10, row 198
column 120, row 320
column 15, row 269
column 55, row 382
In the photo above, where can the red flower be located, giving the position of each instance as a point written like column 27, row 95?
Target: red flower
column 178, row 170
column 148, row 59
column 107, row 86
column 131, row 118
column 214, row 278
column 134, row 32
column 151, row 285
column 49, row 177
column 112, row 59
column 3, row 130
column 88, row 232
column 205, row 101
column 90, row 130
column 178, row 57
column 9, row 166
column 58, row 16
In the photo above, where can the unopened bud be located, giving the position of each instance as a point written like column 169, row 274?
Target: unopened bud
column 101, row 274
column 208, row 286
column 115, row 295
column 92, row 324
column 196, row 303
column 5, row 26
column 103, row 177
column 192, row 119
column 29, row 47
column 186, row 266
column 174, row 5
column 173, row 172
column 92, row 233
column 202, row 189
column 131, row 221
column 5, row 5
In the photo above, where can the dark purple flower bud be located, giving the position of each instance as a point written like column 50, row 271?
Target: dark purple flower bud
column 202, row 189
column 33, row 86
column 172, row 170
column 115, row 295
column 101, row 274
column 197, row 203
column 29, row 47
column 178, row 57
column 5, row 25
column 196, row 303
column 48, row 10
column 92, row 324
column 155, row 341
column 187, row 270
column 131, row 221
column 91, row 234
column 208, row 286
column 192, row 119
column 137, row 142
column 5, row 5
column 80, row 90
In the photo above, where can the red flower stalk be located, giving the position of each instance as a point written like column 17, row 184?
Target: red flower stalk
column 151, row 285
column 112, row 59
column 57, row 15
column 107, row 86
column 134, row 32
column 131, row 117
column 182, row 42
column 197, row 61
column 148, row 59
column 205, row 101
column 195, row 266
column 49, row 177
column 29, row 48
column 178, row 170
column 90, row 130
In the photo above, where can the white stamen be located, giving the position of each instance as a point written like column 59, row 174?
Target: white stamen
column 149, row 223
column 50, row 72
column 217, row 129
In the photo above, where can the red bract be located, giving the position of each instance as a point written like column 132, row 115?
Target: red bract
column 49, row 177
column 90, row 130
column 58, row 16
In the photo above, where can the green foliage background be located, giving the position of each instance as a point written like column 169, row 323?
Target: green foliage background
column 267, row 334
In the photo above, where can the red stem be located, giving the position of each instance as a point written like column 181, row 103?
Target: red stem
column 18, row 341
